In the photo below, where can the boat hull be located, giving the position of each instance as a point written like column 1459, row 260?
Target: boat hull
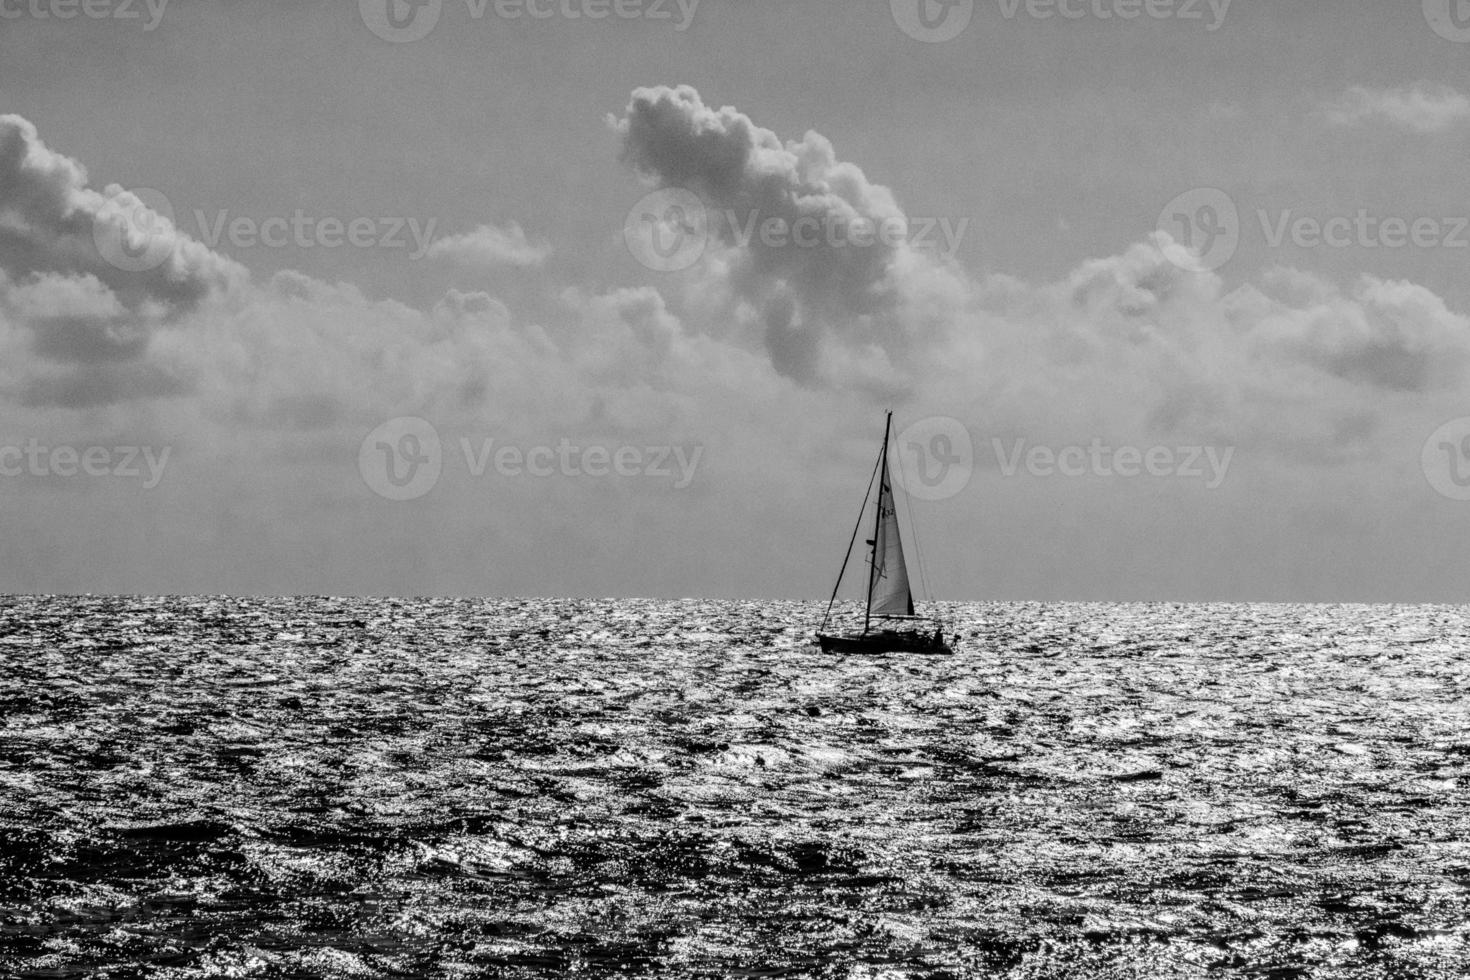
column 885, row 641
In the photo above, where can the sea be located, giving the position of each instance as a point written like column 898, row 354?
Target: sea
column 229, row 787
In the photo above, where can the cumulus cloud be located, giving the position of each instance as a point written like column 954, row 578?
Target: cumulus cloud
column 50, row 218
column 776, row 358
column 848, row 305
column 491, row 247
column 1422, row 108
column 1390, row 335
column 1135, row 346
column 1130, row 346
column 88, row 317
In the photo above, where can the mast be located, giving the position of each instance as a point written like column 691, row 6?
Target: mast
column 877, row 524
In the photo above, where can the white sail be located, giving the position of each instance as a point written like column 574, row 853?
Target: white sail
column 890, row 594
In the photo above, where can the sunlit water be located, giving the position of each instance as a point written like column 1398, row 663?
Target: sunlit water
column 207, row 788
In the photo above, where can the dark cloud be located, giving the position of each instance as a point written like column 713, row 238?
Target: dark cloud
column 88, row 340
column 94, row 385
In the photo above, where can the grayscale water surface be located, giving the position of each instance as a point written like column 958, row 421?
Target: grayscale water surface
column 366, row 788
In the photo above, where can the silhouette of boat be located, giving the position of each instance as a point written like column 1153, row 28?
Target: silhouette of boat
column 890, row 600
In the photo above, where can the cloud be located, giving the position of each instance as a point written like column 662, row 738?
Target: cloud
column 1132, row 345
column 1291, row 369
column 1423, row 108
column 50, row 218
column 235, row 359
column 831, row 312
column 491, row 247
column 776, row 360
column 1390, row 335
column 86, row 319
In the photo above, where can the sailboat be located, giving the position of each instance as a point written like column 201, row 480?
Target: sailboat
column 890, row 600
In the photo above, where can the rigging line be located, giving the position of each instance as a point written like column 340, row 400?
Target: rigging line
column 883, row 484
column 851, row 541
column 914, row 527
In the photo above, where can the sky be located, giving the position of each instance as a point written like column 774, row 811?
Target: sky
column 611, row 297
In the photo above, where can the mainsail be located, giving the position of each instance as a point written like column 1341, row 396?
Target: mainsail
column 888, row 581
